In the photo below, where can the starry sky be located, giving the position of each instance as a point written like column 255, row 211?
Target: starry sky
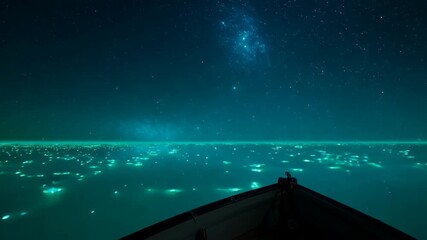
column 201, row 70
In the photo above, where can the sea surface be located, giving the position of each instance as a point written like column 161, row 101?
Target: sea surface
column 86, row 190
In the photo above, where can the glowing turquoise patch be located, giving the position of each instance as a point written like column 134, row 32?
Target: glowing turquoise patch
column 61, row 173
column 297, row 169
column 173, row 191
column 375, row 165
column 173, row 151
column 5, row 217
column 334, row 167
column 256, row 165
column 420, row 165
column 52, row 190
column 226, row 162
column 23, row 213
column 229, row 190
column 111, row 162
column 404, row 152
column 256, row 170
column 81, row 177
column 153, row 153
column 255, row 185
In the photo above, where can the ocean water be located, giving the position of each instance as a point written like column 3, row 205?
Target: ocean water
column 108, row 190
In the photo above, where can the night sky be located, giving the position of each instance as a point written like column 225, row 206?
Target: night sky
column 213, row 70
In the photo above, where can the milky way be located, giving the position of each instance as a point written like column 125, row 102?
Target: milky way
column 240, row 35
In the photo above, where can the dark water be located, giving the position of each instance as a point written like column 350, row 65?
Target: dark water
column 82, row 191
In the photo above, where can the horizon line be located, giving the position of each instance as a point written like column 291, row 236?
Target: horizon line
column 90, row 142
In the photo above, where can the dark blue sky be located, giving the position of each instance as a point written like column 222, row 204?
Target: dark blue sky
column 213, row 70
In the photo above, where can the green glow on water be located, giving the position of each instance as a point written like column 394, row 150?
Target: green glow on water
column 52, row 190
column 420, row 165
column 229, row 190
column 5, row 217
column 173, row 191
column 256, row 165
column 255, row 185
column 61, row 173
column 185, row 169
column 297, row 169
column 173, row 151
column 375, row 165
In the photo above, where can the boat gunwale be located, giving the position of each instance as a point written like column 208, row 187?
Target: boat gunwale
column 192, row 214
column 351, row 214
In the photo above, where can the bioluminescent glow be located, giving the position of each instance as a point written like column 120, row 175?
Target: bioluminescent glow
column 172, row 191
column 229, row 190
column 297, row 169
column 61, row 173
column 52, row 190
column 161, row 172
column 374, row 164
column 256, row 165
column 255, row 185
